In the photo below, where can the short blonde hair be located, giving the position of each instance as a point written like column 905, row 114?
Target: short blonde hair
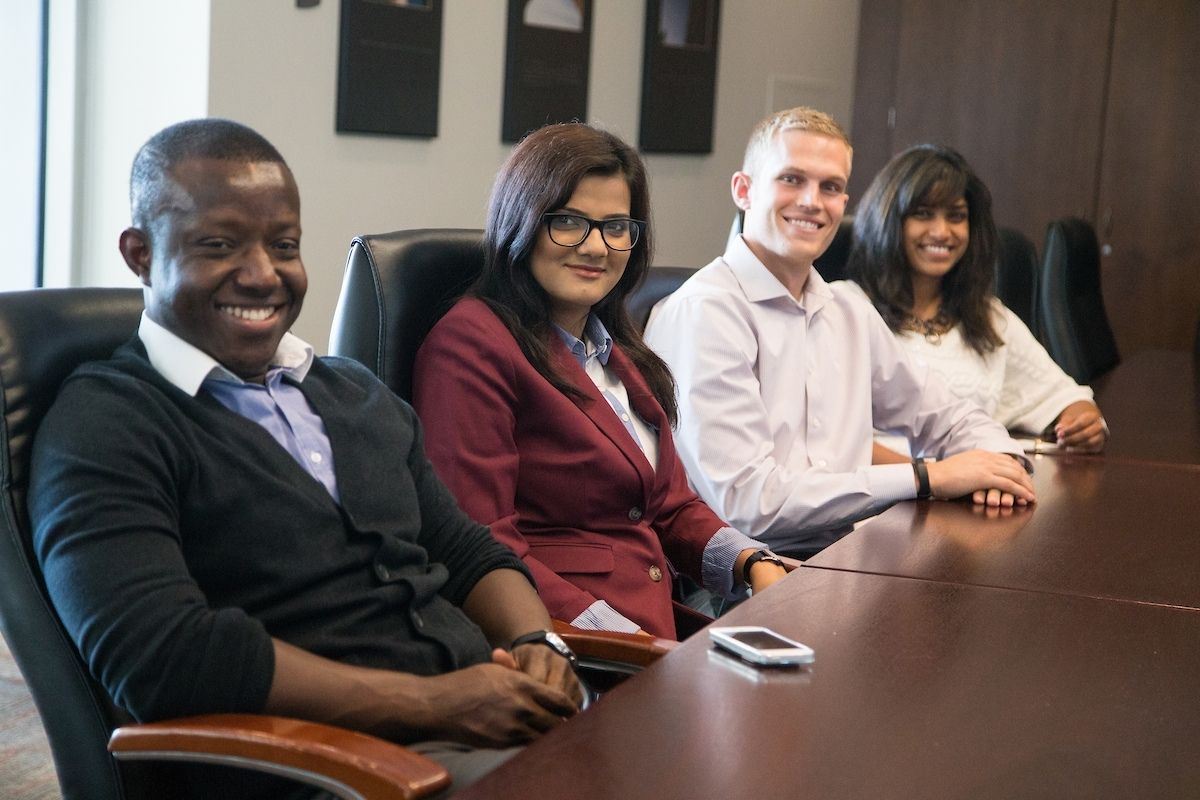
column 800, row 118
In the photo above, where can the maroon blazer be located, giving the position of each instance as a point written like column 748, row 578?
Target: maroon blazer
column 559, row 480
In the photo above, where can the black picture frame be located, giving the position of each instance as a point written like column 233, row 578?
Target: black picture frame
column 548, row 48
column 679, row 76
column 389, row 67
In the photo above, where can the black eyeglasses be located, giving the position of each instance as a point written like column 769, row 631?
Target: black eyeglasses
column 570, row 230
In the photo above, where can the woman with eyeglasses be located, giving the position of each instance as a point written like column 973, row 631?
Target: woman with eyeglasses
column 924, row 253
column 547, row 415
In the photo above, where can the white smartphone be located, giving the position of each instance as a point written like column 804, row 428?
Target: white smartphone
column 760, row 645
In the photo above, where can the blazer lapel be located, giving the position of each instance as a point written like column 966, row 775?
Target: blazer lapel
column 641, row 398
column 597, row 409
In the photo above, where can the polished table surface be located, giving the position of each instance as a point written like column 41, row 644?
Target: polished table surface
column 920, row 689
column 1102, row 527
column 1046, row 652
column 1152, row 403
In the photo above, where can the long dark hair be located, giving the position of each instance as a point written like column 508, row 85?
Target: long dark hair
column 539, row 176
column 927, row 175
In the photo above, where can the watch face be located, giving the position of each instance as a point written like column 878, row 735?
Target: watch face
column 551, row 640
column 561, row 647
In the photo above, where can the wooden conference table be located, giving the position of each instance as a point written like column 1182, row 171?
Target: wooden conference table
column 1102, row 527
column 921, row 689
column 1048, row 652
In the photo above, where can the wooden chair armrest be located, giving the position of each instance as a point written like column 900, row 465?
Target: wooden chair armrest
column 623, row 648
column 344, row 762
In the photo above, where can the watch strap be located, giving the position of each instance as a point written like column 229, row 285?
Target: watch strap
column 754, row 558
column 921, row 470
column 549, row 639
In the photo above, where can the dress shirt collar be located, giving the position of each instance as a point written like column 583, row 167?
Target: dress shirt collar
column 760, row 285
column 187, row 367
column 595, row 334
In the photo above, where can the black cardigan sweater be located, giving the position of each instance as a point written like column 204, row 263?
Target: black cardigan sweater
column 177, row 537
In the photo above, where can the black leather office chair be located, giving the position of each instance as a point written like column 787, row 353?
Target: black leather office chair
column 832, row 263
column 398, row 285
column 1071, row 316
column 1016, row 275
column 660, row 282
column 44, row 335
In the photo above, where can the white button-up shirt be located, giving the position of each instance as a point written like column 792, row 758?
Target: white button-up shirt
column 779, row 398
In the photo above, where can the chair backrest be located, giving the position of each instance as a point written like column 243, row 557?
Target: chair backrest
column 1016, row 275
column 1071, row 316
column 832, row 263
column 659, row 282
column 396, row 286
column 44, row 335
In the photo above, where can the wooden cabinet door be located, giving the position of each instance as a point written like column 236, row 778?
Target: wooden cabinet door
column 1017, row 87
column 1087, row 108
column 1149, row 200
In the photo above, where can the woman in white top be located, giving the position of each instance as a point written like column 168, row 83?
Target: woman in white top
column 924, row 253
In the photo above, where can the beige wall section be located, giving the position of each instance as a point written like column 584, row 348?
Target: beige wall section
column 274, row 67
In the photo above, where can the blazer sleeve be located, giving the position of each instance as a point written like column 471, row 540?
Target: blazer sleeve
column 465, row 392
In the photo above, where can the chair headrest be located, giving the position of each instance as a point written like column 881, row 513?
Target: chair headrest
column 396, row 286
column 44, row 335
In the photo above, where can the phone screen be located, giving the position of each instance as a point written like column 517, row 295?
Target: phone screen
column 762, row 640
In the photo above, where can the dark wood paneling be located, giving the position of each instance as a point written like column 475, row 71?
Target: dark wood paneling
column 1149, row 209
column 1018, row 88
column 874, row 91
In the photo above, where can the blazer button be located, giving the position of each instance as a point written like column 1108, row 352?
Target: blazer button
column 655, row 573
column 635, row 513
column 383, row 573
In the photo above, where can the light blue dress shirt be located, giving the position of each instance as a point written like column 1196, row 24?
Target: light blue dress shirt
column 278, row 405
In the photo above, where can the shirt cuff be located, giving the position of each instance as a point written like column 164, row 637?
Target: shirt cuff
column 893, row 482
column 720, row 554
column 600, row 616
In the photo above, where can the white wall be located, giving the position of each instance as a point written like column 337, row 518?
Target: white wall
column 139, row 65
column 274, row 67
column 20, row 97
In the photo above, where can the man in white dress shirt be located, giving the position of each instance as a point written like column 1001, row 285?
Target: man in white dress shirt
column 783, row 377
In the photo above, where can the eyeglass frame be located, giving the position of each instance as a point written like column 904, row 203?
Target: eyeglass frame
column 637, row 224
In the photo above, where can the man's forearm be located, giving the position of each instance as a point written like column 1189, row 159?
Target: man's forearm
column 381, row 702
column 505, row 605
column 487, row 705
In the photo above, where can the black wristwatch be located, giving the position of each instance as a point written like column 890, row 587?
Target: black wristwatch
column 924, row 492
column 551, row 640
column 754, row 558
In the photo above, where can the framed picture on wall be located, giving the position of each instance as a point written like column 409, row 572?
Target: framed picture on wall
column 679, row 76
column 546, row 64
column 389, row 67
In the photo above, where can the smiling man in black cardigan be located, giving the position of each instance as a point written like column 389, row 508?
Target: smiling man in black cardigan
column 228, row 524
